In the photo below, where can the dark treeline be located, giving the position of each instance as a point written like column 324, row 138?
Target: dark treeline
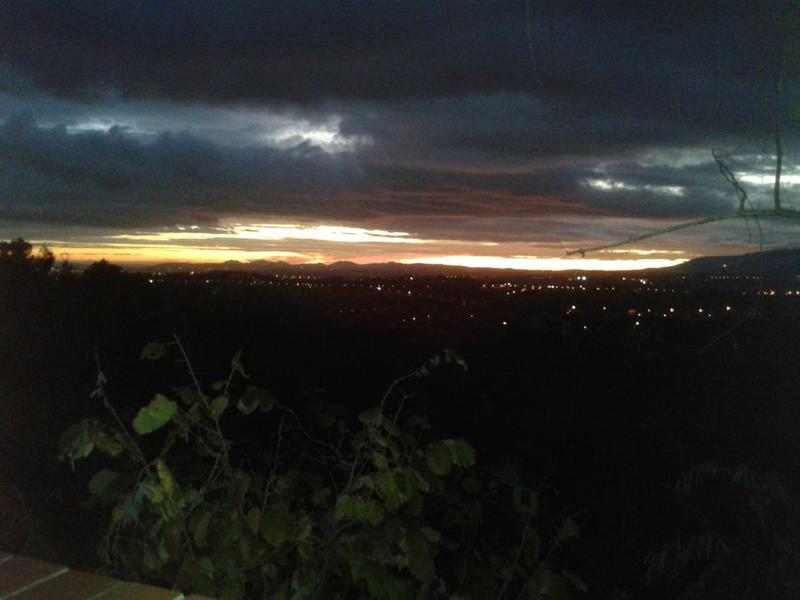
column 611, row 418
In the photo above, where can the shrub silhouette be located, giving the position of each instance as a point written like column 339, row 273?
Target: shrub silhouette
column 321, row 505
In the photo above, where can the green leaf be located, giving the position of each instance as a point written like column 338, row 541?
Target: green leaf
column 155, row 415
column 364, row 482
column 380, row 583
column 462, row 453
column 420, row 481
column 218, row 406
column 233, row 588
column 248, row 549
column 371, row 416
column 395, row 488
column 255, row 399
column 200, row 529
column 236, row 365
column 101, row 481
column 372, row 513
column 575, row 581
column 154, row 493
column 433, row 536
column 305, row 528
column 153, row 351
column 451, row 356
column 378, row 438
column 420, row 562
column 352, row 508
column 79, row 440
column 253, row 519
column 344, row 508
column 391, row 428
column 276, row 526
column 439, row 459
column 197, row 575
column 106, row 444
column 320, row 497
column 379, row 460
column 237, row 488
column 166, row 478
column 76, row 443
column 188, row 395
column 128, row 508
column 386, row 487
column 569, row 530
column 151, row 561
column 270, row 570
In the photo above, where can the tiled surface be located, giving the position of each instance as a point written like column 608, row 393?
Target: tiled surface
column 30, row 579
column 72, row 585
column 136, row 591
column 18, row 573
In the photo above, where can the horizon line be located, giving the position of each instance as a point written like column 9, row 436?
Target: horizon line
column 472, row 262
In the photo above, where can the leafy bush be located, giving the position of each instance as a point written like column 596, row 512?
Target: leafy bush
column 739, row 541
column 316, row 505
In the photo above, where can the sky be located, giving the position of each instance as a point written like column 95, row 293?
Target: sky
column 460, row 132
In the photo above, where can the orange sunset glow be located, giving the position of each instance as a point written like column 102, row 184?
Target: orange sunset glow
column 298, row 243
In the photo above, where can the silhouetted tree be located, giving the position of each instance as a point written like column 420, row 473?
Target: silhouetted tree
column 102, row 270
column 66, row 270
column 18, row 260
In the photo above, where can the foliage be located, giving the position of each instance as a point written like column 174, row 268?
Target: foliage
column 17, row 259
column 740, row 538
column 319, row 506
column 103, row 271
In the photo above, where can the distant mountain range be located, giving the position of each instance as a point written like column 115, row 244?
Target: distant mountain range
column 336, row 269
column 771, row 265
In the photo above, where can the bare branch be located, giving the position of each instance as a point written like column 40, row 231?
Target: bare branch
column 100, row 390
column 731, row 178
column 778, row 164
column 782, row 213
column 203, row 398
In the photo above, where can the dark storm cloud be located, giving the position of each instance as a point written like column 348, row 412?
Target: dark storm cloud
column 660, row 57
column 115, row 178
column 508, row 129
column 156, row 112
column 110, row 177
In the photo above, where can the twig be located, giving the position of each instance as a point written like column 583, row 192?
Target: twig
column 728, row 175
column 203, row 397
column 100, row 390
column 782, row 213
column 514, row 564
column 274, row 473
column 336, row 451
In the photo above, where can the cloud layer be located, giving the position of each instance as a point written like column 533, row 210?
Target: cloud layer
column 495, row 122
